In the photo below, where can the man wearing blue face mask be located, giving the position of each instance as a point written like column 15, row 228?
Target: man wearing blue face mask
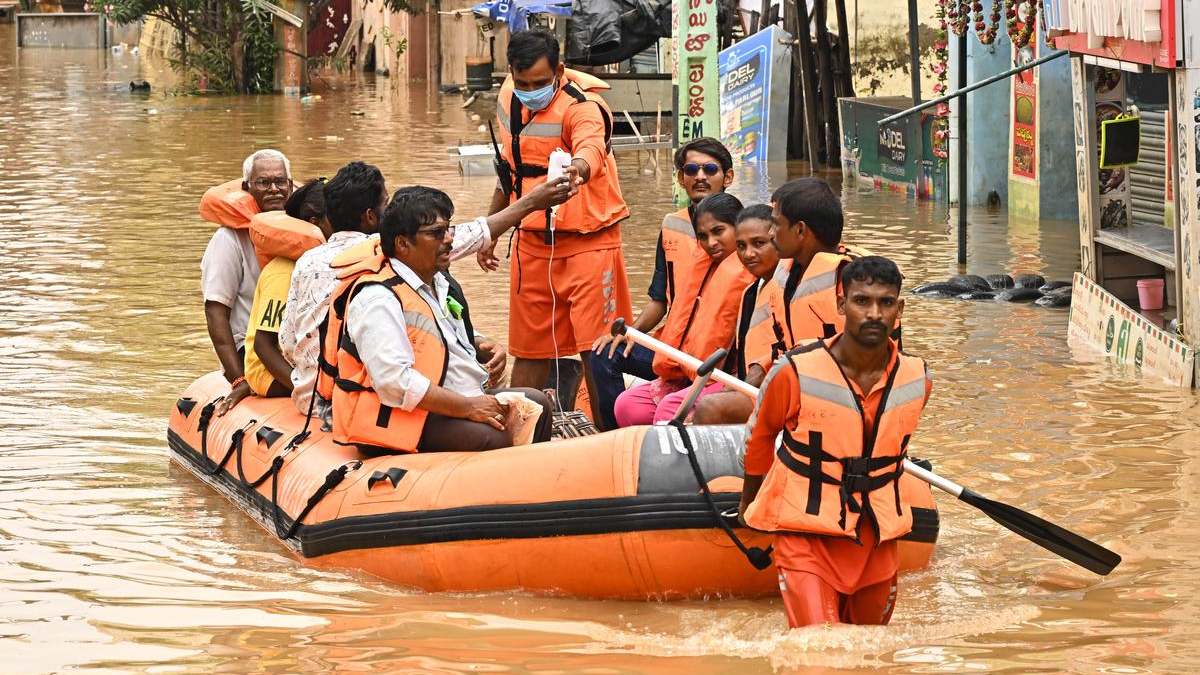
column 567, row 279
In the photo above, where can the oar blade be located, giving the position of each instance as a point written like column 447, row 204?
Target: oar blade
column 1083, row 552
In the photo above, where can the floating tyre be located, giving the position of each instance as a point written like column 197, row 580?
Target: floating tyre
column 999, row 282
column 1028, row 280
column 972, row 281
column 940, row 289
column 977, row 295
column 1054, row 300
column 1054, row 285
column 1019, row 295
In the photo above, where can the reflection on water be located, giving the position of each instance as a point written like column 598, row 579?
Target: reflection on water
column 112, row 558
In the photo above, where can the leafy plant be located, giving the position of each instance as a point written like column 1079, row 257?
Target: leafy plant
column 228, row 45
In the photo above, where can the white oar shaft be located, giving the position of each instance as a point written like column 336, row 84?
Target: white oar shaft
column 692, row 363
column 687, row 360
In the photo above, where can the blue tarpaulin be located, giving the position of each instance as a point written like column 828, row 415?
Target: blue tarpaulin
column 516, row 13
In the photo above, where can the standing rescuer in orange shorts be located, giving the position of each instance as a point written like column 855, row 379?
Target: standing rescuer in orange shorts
column 567, row 277
column 847, row 407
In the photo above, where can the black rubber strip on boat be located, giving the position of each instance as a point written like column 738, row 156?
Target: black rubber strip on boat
column 502, row 521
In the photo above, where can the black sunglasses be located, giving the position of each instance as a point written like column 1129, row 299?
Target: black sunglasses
column 710, row 168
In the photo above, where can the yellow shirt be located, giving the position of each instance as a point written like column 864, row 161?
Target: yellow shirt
column 270, row 297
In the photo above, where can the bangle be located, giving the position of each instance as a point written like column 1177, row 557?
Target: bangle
column 236, row 381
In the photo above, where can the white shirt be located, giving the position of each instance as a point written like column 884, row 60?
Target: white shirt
column 314, row 281
column 228, row 274
column 375, row 322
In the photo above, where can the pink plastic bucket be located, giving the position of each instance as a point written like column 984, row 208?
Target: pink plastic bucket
column 1150, row 293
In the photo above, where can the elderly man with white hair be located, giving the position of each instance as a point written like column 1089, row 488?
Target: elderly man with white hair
column 229, row 269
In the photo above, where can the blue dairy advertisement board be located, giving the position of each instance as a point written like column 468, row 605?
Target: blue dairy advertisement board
column 754, row 96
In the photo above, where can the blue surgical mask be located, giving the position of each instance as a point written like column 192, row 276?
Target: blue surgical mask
column 538, row 98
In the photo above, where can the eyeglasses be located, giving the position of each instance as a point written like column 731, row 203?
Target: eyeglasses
column 264, row 184
column 438, row 233
column 710, row 168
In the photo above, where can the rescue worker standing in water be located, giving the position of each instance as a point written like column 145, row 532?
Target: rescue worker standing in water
column 567, row 277
column 847, row 407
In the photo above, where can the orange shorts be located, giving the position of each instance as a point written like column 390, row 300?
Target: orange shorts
column 589, row 293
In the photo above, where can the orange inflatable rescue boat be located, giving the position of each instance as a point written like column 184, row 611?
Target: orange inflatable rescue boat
column 611, row 515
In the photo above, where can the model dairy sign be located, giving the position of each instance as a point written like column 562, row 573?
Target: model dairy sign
column 892, row 147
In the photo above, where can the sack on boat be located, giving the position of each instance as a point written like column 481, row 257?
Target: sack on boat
column 523, row 415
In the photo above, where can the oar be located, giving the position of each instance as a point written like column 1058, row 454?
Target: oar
column 1059, row 540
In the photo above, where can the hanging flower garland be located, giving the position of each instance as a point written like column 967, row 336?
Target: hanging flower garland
column 957, row 14
column 1021, row 24
column 941, row 42
column 987, row 32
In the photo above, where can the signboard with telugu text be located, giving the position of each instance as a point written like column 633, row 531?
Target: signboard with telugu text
column 1101, row 322
column 698, row 104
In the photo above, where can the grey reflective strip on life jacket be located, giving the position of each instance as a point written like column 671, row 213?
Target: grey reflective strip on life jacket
column 422, row 322
column 542, row 129
column 539, row 129
column 681, row 225
column 833, row 393
column 761, row 314
column 819, row 283
column 905, row 393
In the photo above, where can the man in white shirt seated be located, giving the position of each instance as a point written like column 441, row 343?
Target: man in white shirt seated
column 408, row 374
column 354, row 203
column 229, row 270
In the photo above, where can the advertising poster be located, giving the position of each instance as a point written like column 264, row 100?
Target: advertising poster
column 1024, row 115
column 1101, row 322
column 746, row 71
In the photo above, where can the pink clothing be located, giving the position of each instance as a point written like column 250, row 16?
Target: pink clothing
column 654, row 402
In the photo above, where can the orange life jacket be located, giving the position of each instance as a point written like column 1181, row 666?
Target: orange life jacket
column 229, row 205
column 812, row 312
column 276, row 234
column 714, row 316
column 359, row 417
column 737, row 364
column 599, row 203
column 828, row 471
column 687, row 264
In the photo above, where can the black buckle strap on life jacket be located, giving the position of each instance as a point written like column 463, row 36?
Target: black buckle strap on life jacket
column 332, row 480
column 856, row 474
column 779, row 347
column 758, row 557
column 349, row 386
column 384, row 418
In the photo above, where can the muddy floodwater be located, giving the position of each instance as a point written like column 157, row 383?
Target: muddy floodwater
column 111, row 558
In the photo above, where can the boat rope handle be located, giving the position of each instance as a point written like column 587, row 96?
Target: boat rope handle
column 758, row 557
column 332, row 480
column 235, row 443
